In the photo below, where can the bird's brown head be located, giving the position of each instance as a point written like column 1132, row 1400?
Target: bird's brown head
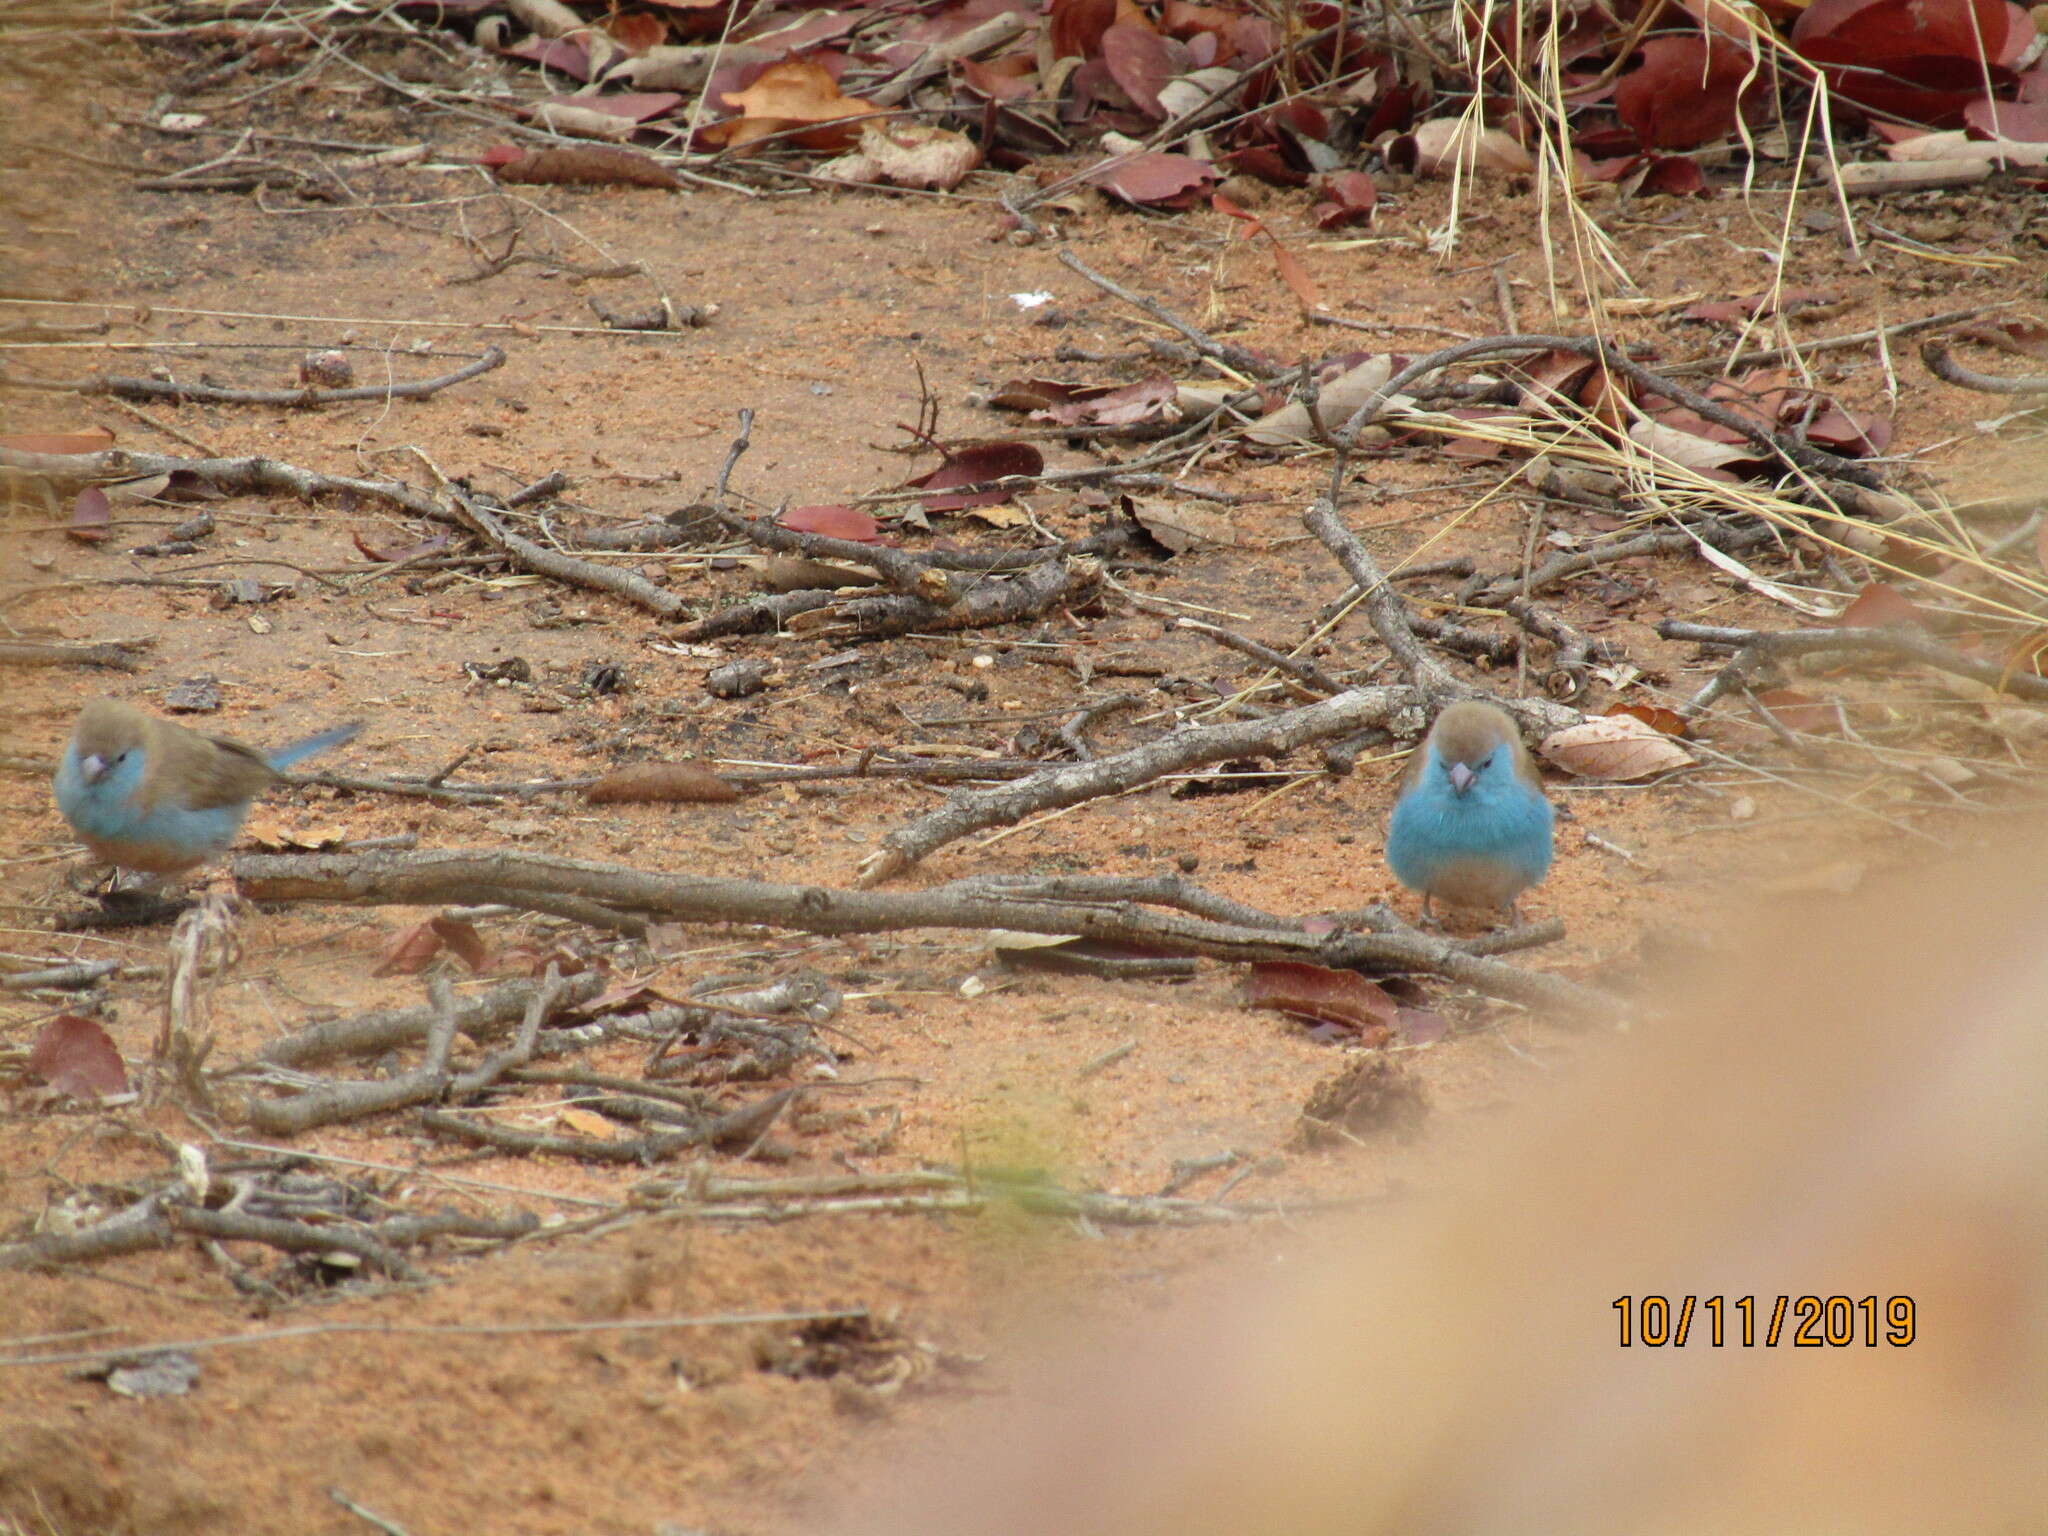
column 1466, row 735
column 106, row 730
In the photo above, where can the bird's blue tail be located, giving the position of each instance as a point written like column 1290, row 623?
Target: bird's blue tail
column 284, row 757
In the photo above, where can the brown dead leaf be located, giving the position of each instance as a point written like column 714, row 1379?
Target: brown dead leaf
column 1656, row 716
column 91, row 516
column 584, row 1122
column 788, row 95
column 971, row 464
column 1155, row 180
column 1879, row 604
column 1803, row 712
column 1443, row 145
column 907, row 155
column 834, row 522
column 1178, row 527
column 1321, row 995
column 1618, row 747
column 76, row 1056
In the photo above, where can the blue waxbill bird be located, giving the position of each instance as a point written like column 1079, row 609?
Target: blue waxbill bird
column 148, row 795
column 1471, row 825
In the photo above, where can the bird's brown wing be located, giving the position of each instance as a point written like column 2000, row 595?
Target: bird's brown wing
column 201, row 772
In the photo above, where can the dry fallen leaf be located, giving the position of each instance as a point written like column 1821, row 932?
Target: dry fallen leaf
column 584, row 1122
column 788, row 95
column 907, row 155
column 582, row 164
column 1179, row 527
column 1319, row 994
column 1614, row 747
column 1445, row 145
column 75, row 1056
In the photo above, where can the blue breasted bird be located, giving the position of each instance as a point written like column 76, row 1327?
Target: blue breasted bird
column 148, row 795
column 1471, row 825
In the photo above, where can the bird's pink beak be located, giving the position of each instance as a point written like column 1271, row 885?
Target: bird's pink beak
column 1461, row 778
column 92, row 768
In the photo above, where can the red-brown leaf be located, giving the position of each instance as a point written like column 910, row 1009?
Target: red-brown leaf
column 1147, row 400
column 1154, row 178
column 1348, row 198
column 417, row 551
column 1669, row 721
column 1317, row 993
column 1075, row 27
column 91, row 516
column 1141, row 61
column 1878, row 605
column 1798, row 711
column 1684, row 93
column 834, row 522
column 973, row 464
column 409, row 951
column 462, row 940
column 597, row 165
column 75, row 1056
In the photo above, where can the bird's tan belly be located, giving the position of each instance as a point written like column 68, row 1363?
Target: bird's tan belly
column 1476, row 883
column 152, row 858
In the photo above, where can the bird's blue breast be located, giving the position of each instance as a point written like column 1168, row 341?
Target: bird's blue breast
column 106, row 815
column 1497, row 836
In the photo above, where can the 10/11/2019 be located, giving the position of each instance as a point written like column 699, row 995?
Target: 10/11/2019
column 1804, row 1322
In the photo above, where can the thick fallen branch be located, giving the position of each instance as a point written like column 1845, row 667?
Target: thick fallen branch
column 1384, row 607
column 230, row 477
column 1788, row 450
column 155, row 1222
column 1563, row 567
column 519, row 878
column 914, row 575
column 711, row 1198
column 158, row 389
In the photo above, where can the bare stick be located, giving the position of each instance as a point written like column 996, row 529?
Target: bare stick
column 634, row 588
column 1770, row 356
column 1301, row 671
column 1935, row 355
column 742, row 1127
column 366, row 1034
column 437, row 877
column 157, row 389
column 440, row 1330
column 1203, row 342
column 969, row 811
column 1788, row 450
column 1384, row 607
column 907, row 573
column 995, row 602
column 1903, row 642
column 122, row 655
